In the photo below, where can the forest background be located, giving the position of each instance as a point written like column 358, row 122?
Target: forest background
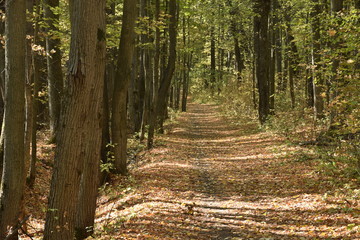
column 96, row 73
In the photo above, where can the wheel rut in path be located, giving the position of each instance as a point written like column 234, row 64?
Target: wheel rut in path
column 209, row 179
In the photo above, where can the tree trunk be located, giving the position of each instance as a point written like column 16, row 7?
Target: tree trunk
column 80, row 134
column 185, row 69
column 29, row 83
column 212, row 60
column 2, row 89
column 291, row 58
column 317, row 78
column 152, row 120
column 169, row 71
column 278, row 44
column 122, row 81
column 272, row 68
column 13, row 178
column 36, row 62
column 133, row 98
column 54, row 68
column 145, row 72
column 261, row 43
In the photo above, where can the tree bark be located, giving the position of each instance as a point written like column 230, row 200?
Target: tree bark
column 2, row 87
column 122, row 81
column 86, row 203
column 261, row 43
column 80, row 134
column 13, row 177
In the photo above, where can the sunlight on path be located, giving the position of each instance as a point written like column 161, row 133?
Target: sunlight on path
column 208, row 179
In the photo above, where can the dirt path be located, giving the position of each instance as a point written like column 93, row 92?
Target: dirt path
column 209, row 179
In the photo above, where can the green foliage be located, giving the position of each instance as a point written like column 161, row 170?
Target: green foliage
column 237, row 101
column 341, row 160
column 107, row 165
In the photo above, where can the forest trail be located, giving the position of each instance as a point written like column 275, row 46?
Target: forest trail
column 211, row 179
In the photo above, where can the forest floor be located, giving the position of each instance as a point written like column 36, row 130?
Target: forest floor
column 208, row 178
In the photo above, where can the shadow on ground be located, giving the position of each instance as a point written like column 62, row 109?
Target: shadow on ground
column 211, row 180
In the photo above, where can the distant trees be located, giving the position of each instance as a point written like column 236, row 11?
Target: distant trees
column 121, row 85
column 54, row 66
column 272, row 56
column 165, row 80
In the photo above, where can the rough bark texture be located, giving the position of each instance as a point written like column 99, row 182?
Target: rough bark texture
column 122, row 81
column 13, row 178
column 86, row 206
column 261, row 43
column 55, row 76
column 2, row 89
column 80, row 133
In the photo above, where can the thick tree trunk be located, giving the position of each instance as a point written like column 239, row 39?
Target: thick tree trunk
column 13, row 177
column 86, row 204
column 54, row 68
column 122, row 81
column 79, row 138
column 2, row 89
column 261, row 44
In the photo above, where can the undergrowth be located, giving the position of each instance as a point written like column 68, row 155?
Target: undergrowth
column 338, row 159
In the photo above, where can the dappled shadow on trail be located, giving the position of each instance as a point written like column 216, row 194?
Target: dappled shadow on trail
column 209, row 179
